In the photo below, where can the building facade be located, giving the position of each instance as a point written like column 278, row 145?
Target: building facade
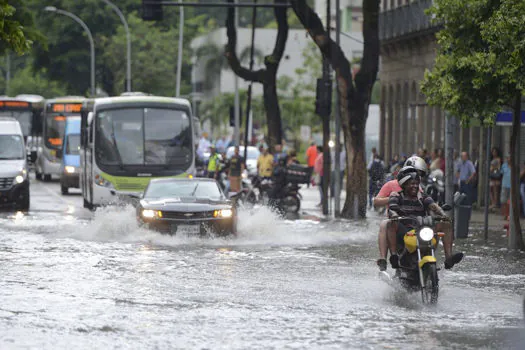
column 407, row 122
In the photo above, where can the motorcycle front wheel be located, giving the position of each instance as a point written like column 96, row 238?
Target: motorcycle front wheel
column 291, row 204
column 430, row 292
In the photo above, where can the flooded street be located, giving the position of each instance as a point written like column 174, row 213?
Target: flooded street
column 71, row 278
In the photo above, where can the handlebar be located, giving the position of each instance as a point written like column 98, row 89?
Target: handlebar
column 422, row 220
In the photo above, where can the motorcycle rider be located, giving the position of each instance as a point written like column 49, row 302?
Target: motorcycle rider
column 411, row 202
column 279, row 182
column 213, row 163
column 381, row 200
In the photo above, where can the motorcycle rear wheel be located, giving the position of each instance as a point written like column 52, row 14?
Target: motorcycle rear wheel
column 430, row 292
column 292, row 204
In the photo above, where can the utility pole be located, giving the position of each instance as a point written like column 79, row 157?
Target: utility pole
column 237, row 103
column 179, row 54
column 337, row 160
column 7, row 72
column 249, row 97
column 450, row 178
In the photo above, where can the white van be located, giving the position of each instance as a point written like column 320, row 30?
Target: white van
column 14, row 179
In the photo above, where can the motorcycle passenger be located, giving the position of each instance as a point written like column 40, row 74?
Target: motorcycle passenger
column 381, row 200
column 213, row 163
column 410, row 202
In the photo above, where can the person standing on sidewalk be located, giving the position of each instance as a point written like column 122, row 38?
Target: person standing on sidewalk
column 236, row 167
column 311, row 156
column 318, row 168
column 505, row 187
column 465, row 173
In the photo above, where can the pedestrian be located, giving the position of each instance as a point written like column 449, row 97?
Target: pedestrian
column 236, row 167
column 311, row 155
column 265, row 163
column 221, row 145
column 372, row 155
column 435, row 163
column 495, row 178
column 204, row 145
column 465, row 174
column 376, row 176
column 213, row 163
column 441, row 155
column 505, row 187
column 342, row 167
column 318, row 168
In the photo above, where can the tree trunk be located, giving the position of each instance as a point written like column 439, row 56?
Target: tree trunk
column 356, row 180
column 515, row 237
column 354, row 94
column 267, row 77
column 273, row 111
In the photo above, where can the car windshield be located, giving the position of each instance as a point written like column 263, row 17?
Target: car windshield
column 23, row 117
column 143, row 136
column 54, row 130
column 208, row 189
column 73, row 144
column 11, row 147
column 253, row 153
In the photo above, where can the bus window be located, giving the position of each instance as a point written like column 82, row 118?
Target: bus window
column 55, row 125
column 25, row 119
column 73, row 144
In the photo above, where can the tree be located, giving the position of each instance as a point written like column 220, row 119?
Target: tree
column 355, row 94
column 27, row 81
column 266, row 76
column 16, row 28
column 479, row 70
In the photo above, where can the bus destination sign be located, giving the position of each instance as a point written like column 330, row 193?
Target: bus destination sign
column 66, row 107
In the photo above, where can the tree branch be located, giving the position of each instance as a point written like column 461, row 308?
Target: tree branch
column 365, row 78
column 333, row 53
column 282, row 32
column 231, row 54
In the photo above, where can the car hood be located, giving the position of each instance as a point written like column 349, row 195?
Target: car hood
column 11, row 168
column 185, row 204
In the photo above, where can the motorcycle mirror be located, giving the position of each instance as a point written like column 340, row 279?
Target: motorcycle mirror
column 446, row 207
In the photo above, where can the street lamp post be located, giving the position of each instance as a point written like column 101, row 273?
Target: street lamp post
column 90, row 37
column 128, row 42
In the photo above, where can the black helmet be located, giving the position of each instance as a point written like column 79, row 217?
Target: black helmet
column 407, row 173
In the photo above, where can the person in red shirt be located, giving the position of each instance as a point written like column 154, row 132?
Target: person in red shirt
column 311, row 156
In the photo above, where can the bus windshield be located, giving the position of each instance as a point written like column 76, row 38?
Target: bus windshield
column 11, row 147
column 73, row 144
column 143, row 136
column 23, row 117
column 54, row 130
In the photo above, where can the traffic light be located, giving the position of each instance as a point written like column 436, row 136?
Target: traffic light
column 323, row 97
column 151, row 11
column 232, row 115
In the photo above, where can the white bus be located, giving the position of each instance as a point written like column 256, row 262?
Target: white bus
column 127, row 140
column 56, row 111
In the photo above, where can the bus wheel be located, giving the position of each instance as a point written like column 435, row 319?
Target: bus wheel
column 47, row 177
column 64, row 189
column 38, row 176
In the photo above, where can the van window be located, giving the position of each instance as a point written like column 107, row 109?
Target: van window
column 11, row 147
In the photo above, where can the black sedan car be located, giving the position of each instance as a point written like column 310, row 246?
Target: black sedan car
column 187, row 207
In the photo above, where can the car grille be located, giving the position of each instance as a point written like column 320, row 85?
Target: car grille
column 185, row 215
column 123, row 185
column 6, row 182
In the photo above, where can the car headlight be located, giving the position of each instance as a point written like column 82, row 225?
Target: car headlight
column 150, row 214
column 223, row 213
column 69, row 169
column 21, row 176
column 426, row 234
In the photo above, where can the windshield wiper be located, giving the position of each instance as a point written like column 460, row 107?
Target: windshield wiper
column 115, row 145
column 194, row 190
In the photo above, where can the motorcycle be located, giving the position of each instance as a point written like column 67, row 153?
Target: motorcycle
column 418, row 269
column 435, row 186
column 291, row 200
column 259, row 192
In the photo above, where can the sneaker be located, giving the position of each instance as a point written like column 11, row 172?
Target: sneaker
column 394, row 261
column 382, row 264
column 453, row 260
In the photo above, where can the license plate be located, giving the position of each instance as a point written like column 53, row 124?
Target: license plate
column 188, row 229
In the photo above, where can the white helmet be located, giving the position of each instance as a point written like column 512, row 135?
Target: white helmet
column 419, row 164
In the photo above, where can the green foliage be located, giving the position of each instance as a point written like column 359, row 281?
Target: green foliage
column 481, row 60
column 26, row 81
column 17, row 32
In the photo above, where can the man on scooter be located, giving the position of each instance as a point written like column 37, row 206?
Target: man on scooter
column 381, row 200
column 411, row 202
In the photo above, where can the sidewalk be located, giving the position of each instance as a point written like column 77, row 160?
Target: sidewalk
column 311, row 198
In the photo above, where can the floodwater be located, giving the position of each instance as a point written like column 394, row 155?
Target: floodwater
column 72, row 279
